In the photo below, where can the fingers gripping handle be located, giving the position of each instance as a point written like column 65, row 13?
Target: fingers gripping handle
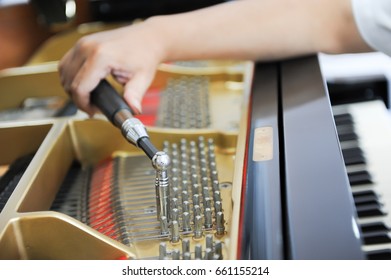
column 112, row 105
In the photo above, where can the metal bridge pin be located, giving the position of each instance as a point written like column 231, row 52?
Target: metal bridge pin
column 162, row 251
column 198, row 252
column 164, row 225
column 220, row 228
column 175, row 232
column 186, row 222
column 198, row 227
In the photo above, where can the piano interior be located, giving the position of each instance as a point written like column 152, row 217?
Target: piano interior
column 263, row 166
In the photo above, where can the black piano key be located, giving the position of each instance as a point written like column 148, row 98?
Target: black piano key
column 352, row 151
column 370, row 210
column 384, row 254
column 377, row 237
column 347, row 137
column 343, row 119
column 365, row 197
column 352, row 160
column 353, row 156
column 346, row 133
column 373, row 227
column 359, row 178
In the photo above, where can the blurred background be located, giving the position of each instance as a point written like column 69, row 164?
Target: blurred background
column 25, row 25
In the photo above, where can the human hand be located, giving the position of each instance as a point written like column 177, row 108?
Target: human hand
column 130, row 54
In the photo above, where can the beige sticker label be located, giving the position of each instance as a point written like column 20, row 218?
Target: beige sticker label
column 263, row 143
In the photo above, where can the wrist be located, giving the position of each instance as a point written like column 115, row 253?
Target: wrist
column 159, row 38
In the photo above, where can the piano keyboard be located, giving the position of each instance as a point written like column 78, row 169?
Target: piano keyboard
column 364, row 131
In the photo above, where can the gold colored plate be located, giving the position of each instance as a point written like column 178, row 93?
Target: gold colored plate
column 90, row 141
column 20, row 139
column 52, row 236
column 20, row 83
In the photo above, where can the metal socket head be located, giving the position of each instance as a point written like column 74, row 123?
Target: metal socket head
column 133, row 130
column 160, row 161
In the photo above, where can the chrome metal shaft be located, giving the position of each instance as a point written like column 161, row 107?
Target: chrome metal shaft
column 160, row 162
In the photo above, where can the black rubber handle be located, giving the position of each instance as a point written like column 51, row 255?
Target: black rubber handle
column 108, row 100
column 146, row 145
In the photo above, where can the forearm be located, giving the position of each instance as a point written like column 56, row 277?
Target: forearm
column 243, row 30
column 260, row 30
